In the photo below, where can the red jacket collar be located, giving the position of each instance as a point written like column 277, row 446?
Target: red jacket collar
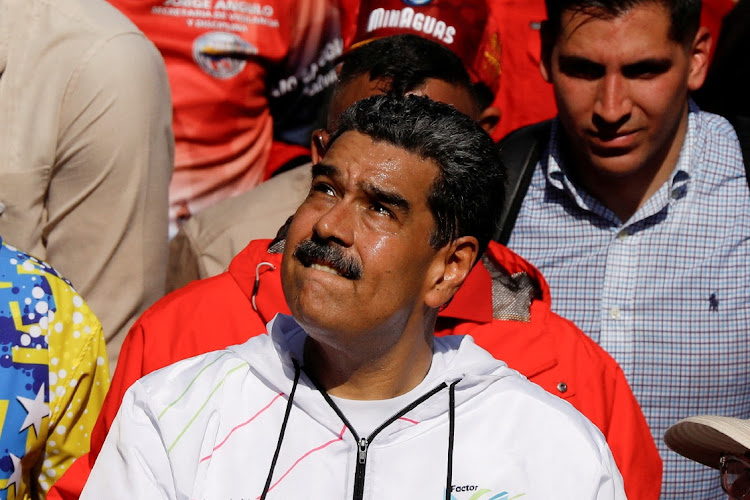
column 472, row 302
column 261, row 284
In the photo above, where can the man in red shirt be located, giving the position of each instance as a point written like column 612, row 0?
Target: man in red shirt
column 231, row 67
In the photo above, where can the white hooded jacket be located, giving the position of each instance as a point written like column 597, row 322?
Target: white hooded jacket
column 223, row 426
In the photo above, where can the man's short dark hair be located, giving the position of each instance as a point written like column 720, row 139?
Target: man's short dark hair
column 404, row 62
column 685, row 14
column 467, row 195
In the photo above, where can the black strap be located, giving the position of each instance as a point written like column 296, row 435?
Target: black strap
column 520, row 151
column 289, row 402
column 451, row 438
column 741, row 125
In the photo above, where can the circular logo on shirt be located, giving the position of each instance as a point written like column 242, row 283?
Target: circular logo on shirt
column 416, row 3
column 222, row 55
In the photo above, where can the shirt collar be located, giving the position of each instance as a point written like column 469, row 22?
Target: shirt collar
column 674, row 189
column 557, row 176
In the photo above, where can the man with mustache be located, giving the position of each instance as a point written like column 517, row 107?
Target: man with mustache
column 313, row 253
column 638, row 213
column 504, row 304
column 207, row 243
column 352, row 395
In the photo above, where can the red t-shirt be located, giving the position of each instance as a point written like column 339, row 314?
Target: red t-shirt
column 229, row 62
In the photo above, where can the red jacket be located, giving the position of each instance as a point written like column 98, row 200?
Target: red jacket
column 214, row 313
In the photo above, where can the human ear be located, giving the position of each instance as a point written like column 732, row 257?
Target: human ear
column 453, row 264
column 489, row 118
column 319, row 144
column 699, row 58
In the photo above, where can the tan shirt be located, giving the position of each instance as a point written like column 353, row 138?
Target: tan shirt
column 86, row 152
column 206, row 244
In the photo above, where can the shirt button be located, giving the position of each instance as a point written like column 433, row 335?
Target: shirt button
column 675, row 194
column 623, row 235
column 615, row 312
column 562, row 387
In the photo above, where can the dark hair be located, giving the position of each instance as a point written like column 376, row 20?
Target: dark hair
column 684, row 14
column 405, row 62
column 467, row 195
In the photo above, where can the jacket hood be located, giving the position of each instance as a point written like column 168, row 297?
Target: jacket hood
column 275, row 357
column 501, row 286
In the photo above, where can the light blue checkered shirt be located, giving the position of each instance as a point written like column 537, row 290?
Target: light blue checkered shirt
column 667, row 293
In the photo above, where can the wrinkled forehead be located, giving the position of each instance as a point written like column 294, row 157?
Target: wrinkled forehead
column 382, row 170
column 355, row 149
column 362, row 87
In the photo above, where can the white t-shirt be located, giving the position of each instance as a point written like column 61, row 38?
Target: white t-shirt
column 367, row 415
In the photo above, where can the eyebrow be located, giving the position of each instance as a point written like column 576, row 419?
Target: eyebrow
column 376, row 193
column 324, row 170
column 652, row 64
column 578, row 64
column 390, row 198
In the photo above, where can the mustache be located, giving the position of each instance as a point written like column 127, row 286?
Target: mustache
column 310, row 252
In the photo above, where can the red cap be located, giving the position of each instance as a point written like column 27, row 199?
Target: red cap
column 463, row 26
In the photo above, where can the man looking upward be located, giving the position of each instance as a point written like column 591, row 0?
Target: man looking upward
column 339, row 398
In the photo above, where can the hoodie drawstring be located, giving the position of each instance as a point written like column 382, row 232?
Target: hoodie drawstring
column 257, row 282
column 297, row 372
column 451, row 435
column 414, row 404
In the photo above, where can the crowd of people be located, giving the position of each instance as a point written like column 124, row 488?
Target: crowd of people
column 374, row 249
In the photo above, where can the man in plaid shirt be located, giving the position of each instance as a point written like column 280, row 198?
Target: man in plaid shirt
column 638, row 213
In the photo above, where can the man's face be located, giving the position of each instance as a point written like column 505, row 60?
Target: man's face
column 357, row 258
column 621, row 86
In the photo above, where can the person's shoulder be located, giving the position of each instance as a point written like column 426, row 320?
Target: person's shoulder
column 30, row 276
column 721, row 138
column 715, row 125
column 210, row 239
column 524, row 139
column 210, row 295
column 49, row 300
column 200, row 375
column 83, row 18
column 542, row 412
column 19, row 263
column 255, row 214
column 719, row 150
column 578, row 347
column 88, row 40
column 506, row 387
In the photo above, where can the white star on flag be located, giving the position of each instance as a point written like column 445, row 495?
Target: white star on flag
column 36, row 408
column 15, row 478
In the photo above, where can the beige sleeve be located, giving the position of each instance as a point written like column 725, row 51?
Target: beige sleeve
column 106, row 228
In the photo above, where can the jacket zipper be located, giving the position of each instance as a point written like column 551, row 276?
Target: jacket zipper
column 364, row 443
column 359, row 472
